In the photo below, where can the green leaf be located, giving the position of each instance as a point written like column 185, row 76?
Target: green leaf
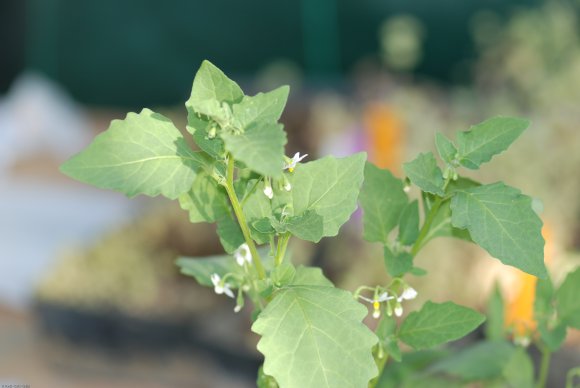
column 230, row 234
column 310, row 276
column 438, row 323
column 199, row 128
column 260, row 147
column 382, row 199
column 398, row 263
column 445, row 148
column 206, row 201
column 519, row 370
column 210, row 88
column 387, row 333
column 328, row 187
column 142, row 154
column 308, row 226
column 484, row 360
column 409, row 224
column 500, row 219
column 491, row 137
column 263, row 107
column 494, row 328
column 283, row 274
column 202, row 268
column 568, row 300
column 424, row 172
column 312, row 336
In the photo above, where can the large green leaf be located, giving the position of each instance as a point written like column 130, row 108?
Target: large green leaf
column 568, row 300
column 424, row 172
column 328, row 187
column 491, row 137
column 438, row 323
column 229, row 232
column 308, row 226
column 263, row 107
column 501, row 220
column 142, row 154
column 260, row 147
column 206, row 201
column 312, row 336
column 211, row 88
column 481, row 361
column 382, row 199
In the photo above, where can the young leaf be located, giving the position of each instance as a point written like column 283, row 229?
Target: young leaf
column 263, row 107
column 424, row 172
column 210, row 88
column 438, row 323
column 519, row 371
column 397, row 264
column 491, row 137
column 409, row 224
column 202, row 268
column 329, row 187
column 312, row 336
column 142, row 154
column 484, row 360
column 494, row 328
column 568, row 300
column 382, row 199
column 445, row 148
column 260, row 147
column 552, row 332
column 200, row 129
column 387, row 333
column 206, row 201
column 500, row 219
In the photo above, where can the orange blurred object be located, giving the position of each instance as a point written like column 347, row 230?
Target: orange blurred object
column 385, row 133
column 519, row 314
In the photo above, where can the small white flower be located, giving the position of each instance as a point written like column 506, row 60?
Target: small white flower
column 408, row 294
column 220, row 287
column 398, row 310
column 287, row 186
column 291, row 164
column 243, row 255
column 268, row 190
column 376, row 302
column 237, row 309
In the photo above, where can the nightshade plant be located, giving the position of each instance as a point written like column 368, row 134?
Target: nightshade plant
column 312, row 333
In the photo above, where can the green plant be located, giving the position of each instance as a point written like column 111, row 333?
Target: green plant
column 312, row 333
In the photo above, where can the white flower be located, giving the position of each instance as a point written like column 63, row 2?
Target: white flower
column 287, row 186
column 398, row 310
column 408, row 294
column 237, row 309
column 221, row 287
column 268, row 189
column 376, row 302
column 243, row 255
column 291, row 164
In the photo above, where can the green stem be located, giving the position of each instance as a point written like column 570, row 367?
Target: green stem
column 241, row 218
column 381, row 362
column 428, row 221
column 544, row 367
column 281, row 250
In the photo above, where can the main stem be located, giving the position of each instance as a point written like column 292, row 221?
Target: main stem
column 241, row 218
column 544, row 367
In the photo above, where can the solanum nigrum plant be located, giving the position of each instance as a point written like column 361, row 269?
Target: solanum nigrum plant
column 311, row 332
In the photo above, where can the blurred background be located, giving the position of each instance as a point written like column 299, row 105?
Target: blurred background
column 89, row 294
